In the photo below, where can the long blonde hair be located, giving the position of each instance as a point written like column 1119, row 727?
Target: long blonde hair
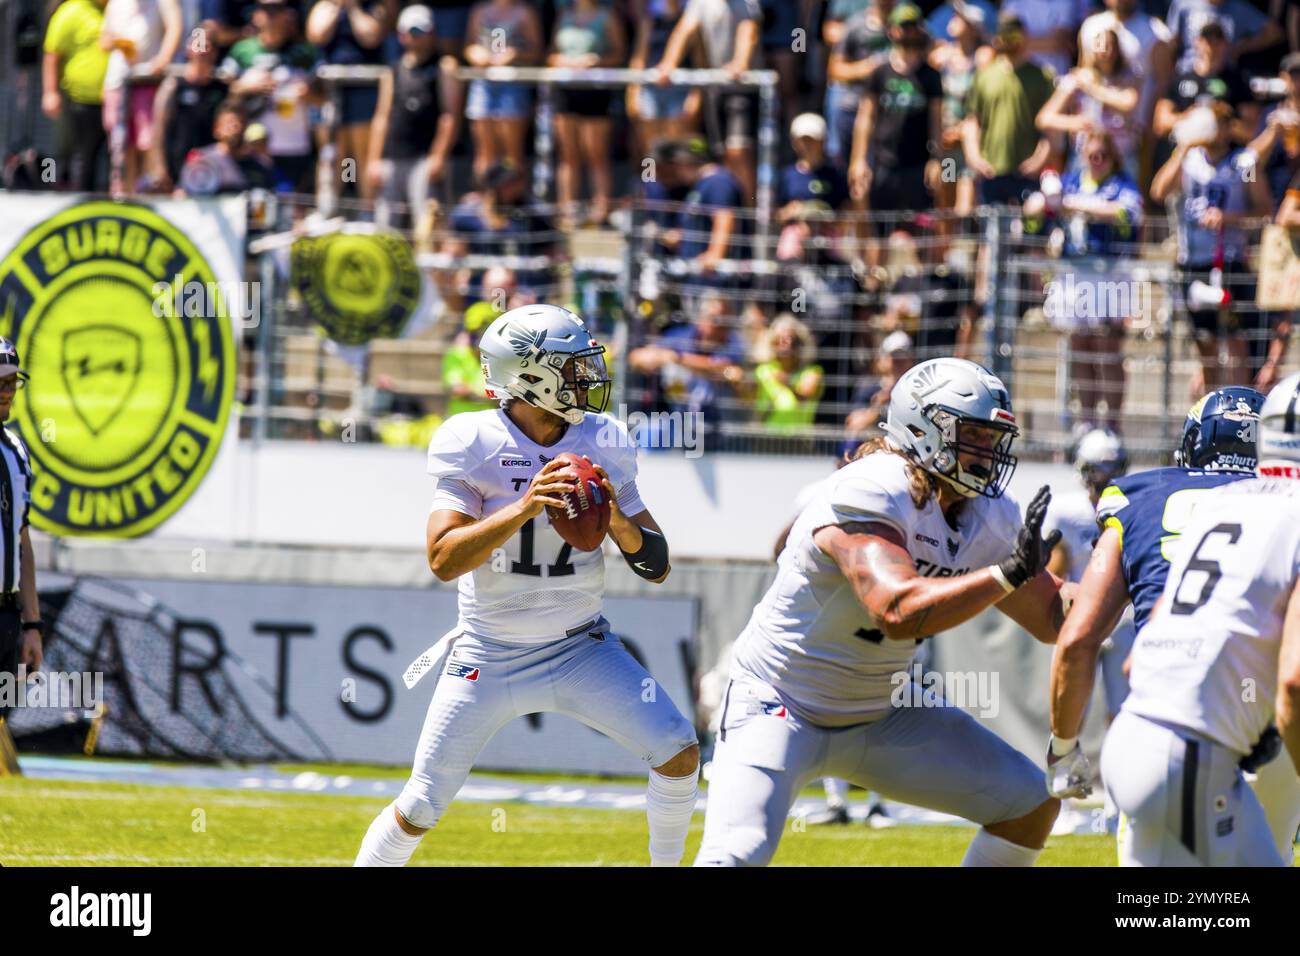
column 922, row 485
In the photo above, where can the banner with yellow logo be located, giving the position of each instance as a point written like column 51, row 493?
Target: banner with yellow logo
column 125, row 315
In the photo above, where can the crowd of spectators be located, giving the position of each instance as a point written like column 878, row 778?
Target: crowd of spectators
column 901, row 117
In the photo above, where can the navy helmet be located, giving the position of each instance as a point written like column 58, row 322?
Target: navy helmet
column 1221, row 431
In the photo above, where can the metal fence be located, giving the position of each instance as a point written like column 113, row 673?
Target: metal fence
column 982, row 287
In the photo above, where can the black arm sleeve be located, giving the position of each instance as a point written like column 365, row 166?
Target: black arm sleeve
column 652, row 560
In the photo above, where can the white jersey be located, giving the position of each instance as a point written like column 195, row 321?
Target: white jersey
column 1076, row 518
column 810, row 638
column 538, row 587
column 1207, row 661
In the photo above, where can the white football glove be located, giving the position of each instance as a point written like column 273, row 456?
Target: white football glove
column 1069, row 775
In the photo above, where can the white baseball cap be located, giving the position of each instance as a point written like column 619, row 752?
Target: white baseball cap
column 415, row 19
column 896, row 343
column 808, row 124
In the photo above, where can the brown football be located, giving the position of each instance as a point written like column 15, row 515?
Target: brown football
column 585, row 518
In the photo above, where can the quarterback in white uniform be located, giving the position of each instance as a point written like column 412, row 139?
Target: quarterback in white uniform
column 912, row 538
column 530, row 636
column 1218, row 662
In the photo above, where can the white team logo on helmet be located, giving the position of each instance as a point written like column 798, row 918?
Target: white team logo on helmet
column 946, row 408
column 544, row 355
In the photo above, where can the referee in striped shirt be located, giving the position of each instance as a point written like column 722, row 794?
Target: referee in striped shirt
column 21, row 630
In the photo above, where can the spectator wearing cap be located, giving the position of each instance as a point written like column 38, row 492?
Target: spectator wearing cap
column 142, row 36
column 21, row 629
column 662, row 192
column 871, row 393
column 978, row 12
column 1049, row 30
column 899, row 124
column 810, row 177
column 1278, row 143
column 956, row 59
column 72, row 75
column 1217, row 190
column 417, row 120
column 729, row 33
column 271, row 72
column 352, row 33
column 1245, row 28
column 788, row 380
column 1002, row 143
column 658, row 112
column 706, row 228
column 1101, row 94
column 501, row 33
column 587, row 35
column 861, row 44
column 1209, row 79
column 185, row 109
column 255, row 161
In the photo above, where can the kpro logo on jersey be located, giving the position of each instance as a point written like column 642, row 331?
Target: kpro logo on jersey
column 464, row 671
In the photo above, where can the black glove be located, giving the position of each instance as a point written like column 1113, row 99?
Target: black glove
column 1266, row 748
column 1032, row 550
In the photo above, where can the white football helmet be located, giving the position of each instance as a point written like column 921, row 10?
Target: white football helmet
column 934, row 403
column 1279, row 427
column 544, row 355
column 1101, row 458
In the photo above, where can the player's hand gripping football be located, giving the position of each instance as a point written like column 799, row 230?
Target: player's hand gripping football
column 1032, row 550
column 1069, row 775
column 621, row 529
column 548, row 487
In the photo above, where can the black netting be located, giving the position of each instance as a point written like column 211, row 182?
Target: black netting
column 165, row 694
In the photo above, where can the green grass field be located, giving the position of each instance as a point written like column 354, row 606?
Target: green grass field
column 55, row 823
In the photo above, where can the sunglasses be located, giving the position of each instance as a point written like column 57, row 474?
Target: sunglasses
column 11, row 384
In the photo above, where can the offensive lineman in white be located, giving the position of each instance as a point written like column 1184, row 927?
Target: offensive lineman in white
column 1219, row 660
column 910, row 539
column 530, row 636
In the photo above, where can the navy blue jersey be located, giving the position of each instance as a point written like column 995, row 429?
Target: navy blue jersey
column 1150, row 510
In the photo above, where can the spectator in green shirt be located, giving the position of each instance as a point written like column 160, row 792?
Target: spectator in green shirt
column 1003, row 144
column 789, row 380
column 72, row 76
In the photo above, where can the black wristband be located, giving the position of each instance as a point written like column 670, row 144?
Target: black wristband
column 38, row 625
column 651, row 562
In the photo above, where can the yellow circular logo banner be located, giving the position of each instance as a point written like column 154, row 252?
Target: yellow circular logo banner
column 357, row 285
column 129, row 397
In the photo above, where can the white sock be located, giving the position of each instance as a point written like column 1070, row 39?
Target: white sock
column 386, row 843
column 989, row 850
column 669, row 803
column 837, row 792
